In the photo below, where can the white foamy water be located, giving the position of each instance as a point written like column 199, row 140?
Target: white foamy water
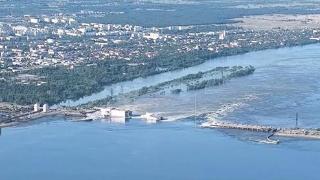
column 286, row 82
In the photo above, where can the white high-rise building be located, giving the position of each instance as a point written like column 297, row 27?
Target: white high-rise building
column 222, row 35
column 34, row 20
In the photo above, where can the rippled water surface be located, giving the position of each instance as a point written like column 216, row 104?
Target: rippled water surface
column 174, row 150
column 286, row 81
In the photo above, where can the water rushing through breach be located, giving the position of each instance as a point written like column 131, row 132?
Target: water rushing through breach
column 285, row 83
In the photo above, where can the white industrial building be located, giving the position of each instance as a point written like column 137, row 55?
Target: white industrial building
column 38, row 108
column 115, row 113
column 45, row 108
column 151, row 117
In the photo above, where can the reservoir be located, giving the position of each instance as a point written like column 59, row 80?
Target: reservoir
column 175, row 150
column 286, row 82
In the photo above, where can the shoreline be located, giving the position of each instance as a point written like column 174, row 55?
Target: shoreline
column 79, row 114
column 31, row 116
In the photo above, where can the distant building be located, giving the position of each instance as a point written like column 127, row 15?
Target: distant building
column 152, row 36
column 120, row 113
column 55, row 20
column 47, row 19
column 115, row 113
column 222, row 35
column 50, row 41
column 71, row 21
column 137, row 28
column 60, row 32
column 151, row 118
column 37, row 108
column 20, row 30
column 51, row 52
column 34, row 20
column 105, row 112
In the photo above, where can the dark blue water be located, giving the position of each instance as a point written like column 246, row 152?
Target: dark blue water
column 176, row 150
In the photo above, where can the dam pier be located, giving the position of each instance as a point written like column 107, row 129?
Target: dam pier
column 281, row 132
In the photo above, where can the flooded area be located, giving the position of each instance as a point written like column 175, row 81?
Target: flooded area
column 257, row 59
column 285, row 82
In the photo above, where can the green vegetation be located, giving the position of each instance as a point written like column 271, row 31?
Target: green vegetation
column 205, row 83
column 236, row 71
column 176, row 91
column 241, row 72
column 196, row 81
column 63, row 83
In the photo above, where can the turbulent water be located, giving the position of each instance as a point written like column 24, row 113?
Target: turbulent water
column 285, row 82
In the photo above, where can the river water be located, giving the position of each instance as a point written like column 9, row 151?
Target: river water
column 257, row 59
column 285, row 82
column 174, row 150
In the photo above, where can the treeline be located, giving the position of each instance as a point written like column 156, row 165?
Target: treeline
column 65, row 83
column 204, row 84
column 239, row 72
column 236, row 71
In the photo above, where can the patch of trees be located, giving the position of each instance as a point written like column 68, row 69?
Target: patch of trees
column 237, row 71
column 205, row 83
column 176, row 91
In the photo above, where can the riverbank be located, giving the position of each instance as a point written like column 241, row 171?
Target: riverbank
column 20, row 117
